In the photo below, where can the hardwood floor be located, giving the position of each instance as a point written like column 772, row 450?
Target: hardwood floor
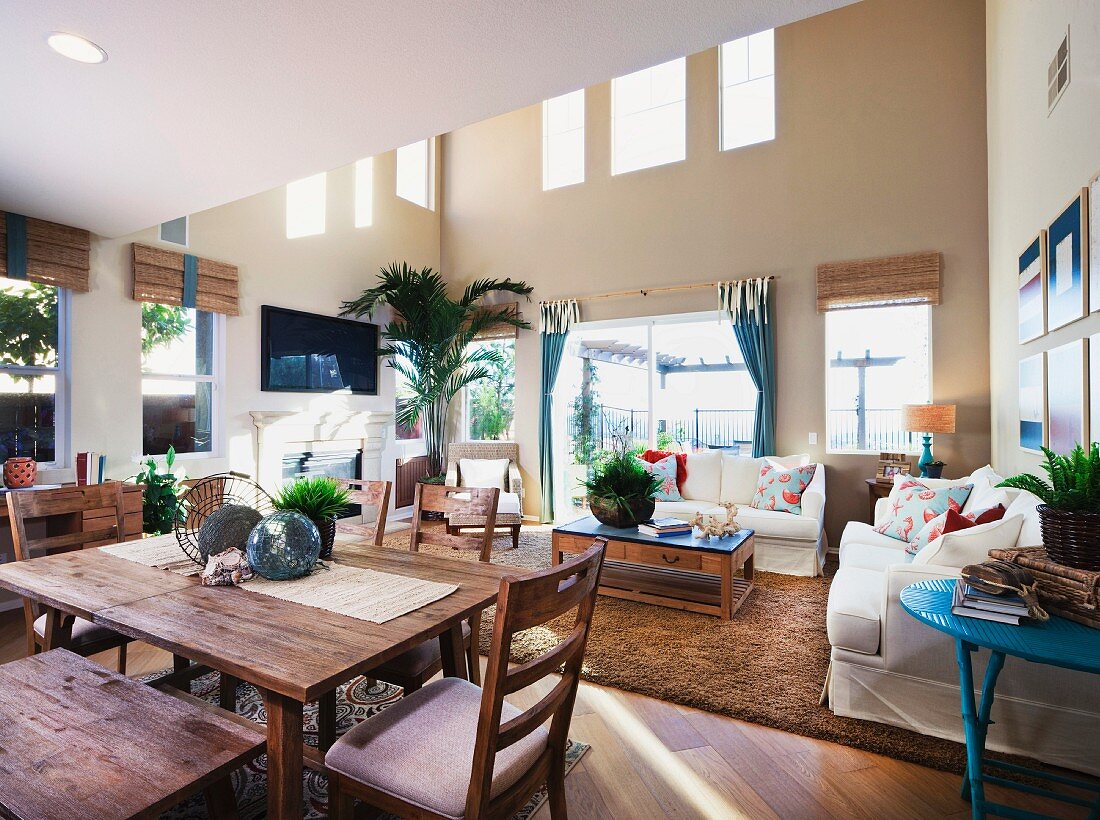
column 651, row 759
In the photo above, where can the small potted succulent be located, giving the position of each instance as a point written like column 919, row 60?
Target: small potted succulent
column 620, row 491
column 320, row 499
column 1070, row 512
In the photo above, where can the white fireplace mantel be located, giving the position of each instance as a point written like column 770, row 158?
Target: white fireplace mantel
column 281, row 431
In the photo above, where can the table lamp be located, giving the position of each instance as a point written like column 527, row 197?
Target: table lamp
column 928, row 419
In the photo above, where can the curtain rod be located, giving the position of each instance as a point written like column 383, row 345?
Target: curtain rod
column 646, row 291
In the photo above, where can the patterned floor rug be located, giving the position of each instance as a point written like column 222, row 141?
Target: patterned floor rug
column 355, row 702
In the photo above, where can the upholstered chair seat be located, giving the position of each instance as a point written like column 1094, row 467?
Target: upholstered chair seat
column 421, row 749
column 84, row 632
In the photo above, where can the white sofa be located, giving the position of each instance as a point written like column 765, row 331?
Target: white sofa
column 788, row 543
column 888, row 667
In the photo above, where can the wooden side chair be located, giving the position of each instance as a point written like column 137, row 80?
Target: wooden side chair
column 86, row 638
column 67, row 755
column 368, row 494
column 413, row 668
column 414, row 758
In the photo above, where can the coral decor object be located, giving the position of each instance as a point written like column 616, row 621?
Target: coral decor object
column 226, row 569
column 714, row 526
column 20, row 472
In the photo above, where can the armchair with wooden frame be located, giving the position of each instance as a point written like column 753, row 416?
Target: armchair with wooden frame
column 79, row 635
column 451, row 722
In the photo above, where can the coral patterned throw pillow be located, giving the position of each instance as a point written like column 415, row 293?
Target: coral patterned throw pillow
column 666, row 470
column 781, row 489
column 916, row 505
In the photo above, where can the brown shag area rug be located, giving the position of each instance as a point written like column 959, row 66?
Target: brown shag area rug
column 766, row 666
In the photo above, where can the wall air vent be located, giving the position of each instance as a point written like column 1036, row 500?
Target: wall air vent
column 174, row 231
column 1058, row 74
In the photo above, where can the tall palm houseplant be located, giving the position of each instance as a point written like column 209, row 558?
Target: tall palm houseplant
column 428, row 341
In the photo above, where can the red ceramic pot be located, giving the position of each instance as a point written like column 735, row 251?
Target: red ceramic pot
column 20, row 472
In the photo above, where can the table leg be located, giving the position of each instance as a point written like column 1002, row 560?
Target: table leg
column 284, row 756
column 453, row 653
column 973, row 788
column 326, row 720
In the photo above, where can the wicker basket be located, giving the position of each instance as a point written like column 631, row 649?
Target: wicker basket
column 1071, row 538
column 1066, row 591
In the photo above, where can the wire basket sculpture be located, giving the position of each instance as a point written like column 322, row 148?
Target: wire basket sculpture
column 205, row 498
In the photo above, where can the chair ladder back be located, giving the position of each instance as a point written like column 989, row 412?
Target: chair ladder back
column 41, row 504
column 441, row 498
column 552, row 592
column 370, row 494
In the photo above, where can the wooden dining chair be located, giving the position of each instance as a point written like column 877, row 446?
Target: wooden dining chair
column 414, row 758
column 368, row 494
column 413, row 668
column 86, row 638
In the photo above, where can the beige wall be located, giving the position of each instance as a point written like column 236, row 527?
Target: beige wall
column 880, row 150
column 309, row 273
column 1037, row 164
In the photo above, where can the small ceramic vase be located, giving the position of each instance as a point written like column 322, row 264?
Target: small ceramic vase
column 20, row 472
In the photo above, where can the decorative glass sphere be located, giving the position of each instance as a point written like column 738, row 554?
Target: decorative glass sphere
column 284, row 546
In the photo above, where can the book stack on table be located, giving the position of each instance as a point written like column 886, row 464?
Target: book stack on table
column 973, row 603
column 664, row 527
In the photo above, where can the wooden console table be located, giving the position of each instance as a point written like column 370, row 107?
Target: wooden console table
column 682, row 572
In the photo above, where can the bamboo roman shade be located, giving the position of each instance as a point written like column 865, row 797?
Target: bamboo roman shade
column 911, row 279
column 500, row 332
column 172, row 278
column 45, row 252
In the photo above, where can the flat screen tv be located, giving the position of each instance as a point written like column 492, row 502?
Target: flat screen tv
column 307, row 353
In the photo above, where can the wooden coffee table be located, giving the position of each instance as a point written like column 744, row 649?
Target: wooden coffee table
column 680, row 571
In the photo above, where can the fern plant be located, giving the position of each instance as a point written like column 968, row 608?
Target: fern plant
column 620, row 480
column 318, row 498
column 1074, row 480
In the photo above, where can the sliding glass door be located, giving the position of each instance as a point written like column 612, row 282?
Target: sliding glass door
column 669, row 383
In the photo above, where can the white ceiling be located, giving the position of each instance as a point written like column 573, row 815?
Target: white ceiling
column 206, row 101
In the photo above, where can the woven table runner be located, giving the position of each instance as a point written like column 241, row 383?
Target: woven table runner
column 365, row 594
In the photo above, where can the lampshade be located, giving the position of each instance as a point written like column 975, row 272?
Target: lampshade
column 929, row 418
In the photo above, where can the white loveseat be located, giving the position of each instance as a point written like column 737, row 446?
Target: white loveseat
column 788, row 543
column 888, row 667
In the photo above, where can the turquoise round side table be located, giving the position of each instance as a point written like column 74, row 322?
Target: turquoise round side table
column 1056, row 642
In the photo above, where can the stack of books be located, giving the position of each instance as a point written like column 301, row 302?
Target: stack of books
column 89, row 468
column 973, row 603
column 664, row 527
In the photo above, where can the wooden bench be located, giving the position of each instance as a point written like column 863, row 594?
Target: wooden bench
column 82, row 741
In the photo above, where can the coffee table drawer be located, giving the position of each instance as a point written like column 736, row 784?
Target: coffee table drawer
column 664, row 557
column 578, row 544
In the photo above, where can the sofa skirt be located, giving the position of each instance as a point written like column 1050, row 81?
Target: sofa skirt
column 788, row 556
column 1056, row 735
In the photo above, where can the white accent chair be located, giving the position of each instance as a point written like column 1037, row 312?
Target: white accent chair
column 787, row 543
column 488, row 464
column 888, row 667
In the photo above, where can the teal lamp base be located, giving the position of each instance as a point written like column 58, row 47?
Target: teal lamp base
column 926, row 456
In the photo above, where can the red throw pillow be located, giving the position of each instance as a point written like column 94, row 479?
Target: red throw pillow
column 955, row 521
column 653, row 456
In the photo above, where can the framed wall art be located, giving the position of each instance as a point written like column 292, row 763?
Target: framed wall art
column 1066, row 408
column 1067, row 282
column 1094, row 387
column 1033, row 397
column 1032, row 289
column 1093, row 197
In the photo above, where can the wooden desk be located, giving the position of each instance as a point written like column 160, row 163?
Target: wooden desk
column 292, row 653
column 875, row 490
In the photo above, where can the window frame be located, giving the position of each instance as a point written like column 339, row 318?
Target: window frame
column 217, row 394
column 615, row 169
column 915, row 446
column 62, row 373
column 722, row 91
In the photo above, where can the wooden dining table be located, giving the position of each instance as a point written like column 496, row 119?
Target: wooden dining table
column 292, row 653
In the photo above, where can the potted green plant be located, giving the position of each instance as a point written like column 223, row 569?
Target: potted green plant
column 320, row 499
column 428, row 342
column 160, row 494
column 620, row 490
column 1070, row 512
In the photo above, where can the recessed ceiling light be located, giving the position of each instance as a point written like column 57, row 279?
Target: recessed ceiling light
column 76, row 48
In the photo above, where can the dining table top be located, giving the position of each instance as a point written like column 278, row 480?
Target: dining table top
column 298, row 651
